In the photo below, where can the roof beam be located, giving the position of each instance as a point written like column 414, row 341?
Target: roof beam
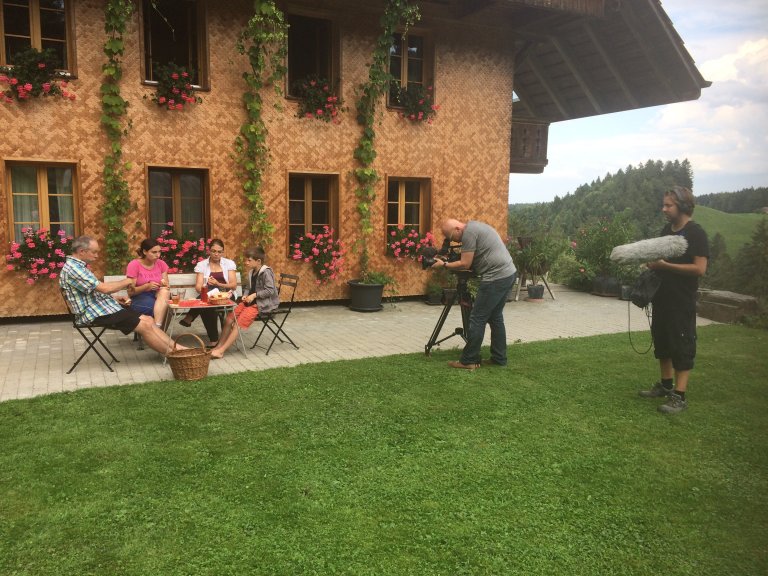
column 677, row 43
column 469, row 7
column 521, row 52
column 630, row 18
column 535, row 67
column 573, row 67
column 610, row 65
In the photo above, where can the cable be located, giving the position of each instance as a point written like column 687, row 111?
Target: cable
column 648, row 313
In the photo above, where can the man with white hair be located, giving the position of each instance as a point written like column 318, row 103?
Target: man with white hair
column 483, row 251
column 90, row 299
column 674, row 305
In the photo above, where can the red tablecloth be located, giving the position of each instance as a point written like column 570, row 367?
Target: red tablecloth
column 200, row 303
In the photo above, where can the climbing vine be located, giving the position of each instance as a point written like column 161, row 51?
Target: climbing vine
column 397, row 13
column 113, row 108
column 264, row 41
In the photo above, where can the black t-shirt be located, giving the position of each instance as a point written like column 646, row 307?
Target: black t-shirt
column 679, row 290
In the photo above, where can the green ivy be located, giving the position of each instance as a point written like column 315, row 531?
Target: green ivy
column 265, row 42
column 397, row 13
column 113, row 108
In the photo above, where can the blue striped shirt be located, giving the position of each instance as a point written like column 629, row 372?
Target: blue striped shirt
column 79, row 285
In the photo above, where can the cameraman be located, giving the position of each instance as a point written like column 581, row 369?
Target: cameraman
column 483, row 251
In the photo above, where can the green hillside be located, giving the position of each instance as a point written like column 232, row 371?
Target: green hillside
column 736, row 229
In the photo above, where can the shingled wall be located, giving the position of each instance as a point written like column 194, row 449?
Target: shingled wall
column 465, row 152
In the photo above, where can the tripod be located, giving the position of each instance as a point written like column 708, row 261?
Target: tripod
column 465, row 302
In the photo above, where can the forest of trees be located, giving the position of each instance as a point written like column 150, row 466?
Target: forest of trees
column 635, row 191
column 741, row 202
column 635, row 194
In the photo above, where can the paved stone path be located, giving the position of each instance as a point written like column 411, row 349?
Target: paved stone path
column 35, row 356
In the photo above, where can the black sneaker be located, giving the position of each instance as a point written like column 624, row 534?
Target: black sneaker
column 674, row 405
column 658, row 391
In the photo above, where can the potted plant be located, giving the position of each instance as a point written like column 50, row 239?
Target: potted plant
column 39, row 254
column 181, row 251
column 318, row 99
column 439, row 281
column 407, row 243
column 367, row 292
column 417, row 102
column 174, row 88
column 33, row 74
column 628, row 275
column 533, row 257
column 593, row 245
column 323, row 251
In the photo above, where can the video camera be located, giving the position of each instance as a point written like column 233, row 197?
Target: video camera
column 448, row 252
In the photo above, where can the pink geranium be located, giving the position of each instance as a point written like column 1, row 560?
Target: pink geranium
column 38, row 253
column 323, row 251
column 407, row 243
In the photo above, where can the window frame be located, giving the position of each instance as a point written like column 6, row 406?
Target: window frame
column 334, row 57
column 425, row 204
column 203, row 50
column 333, row 203
column 428, row 63
column 176, row 172
column 42, row 167
column 36, row 35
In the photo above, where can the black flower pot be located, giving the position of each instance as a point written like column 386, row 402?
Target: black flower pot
column 606, row 286
column 434, row 298
column 626, row 292
column 536, row 291
column 365, row 297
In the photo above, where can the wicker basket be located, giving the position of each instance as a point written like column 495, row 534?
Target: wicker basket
column 190, row 364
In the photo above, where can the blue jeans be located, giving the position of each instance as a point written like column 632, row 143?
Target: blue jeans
column 488, row 309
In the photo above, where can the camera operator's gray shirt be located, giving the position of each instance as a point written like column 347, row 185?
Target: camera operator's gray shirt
column 492, row 260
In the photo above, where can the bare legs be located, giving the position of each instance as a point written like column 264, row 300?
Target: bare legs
column 227, row 338
column 154, row 337
column 161, row 306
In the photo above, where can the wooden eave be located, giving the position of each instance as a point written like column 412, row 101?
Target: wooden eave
column 575, row 66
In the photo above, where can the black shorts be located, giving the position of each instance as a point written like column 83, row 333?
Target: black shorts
column 126, row 320
column 674, row 337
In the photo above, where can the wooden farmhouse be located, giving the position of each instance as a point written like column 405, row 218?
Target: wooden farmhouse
column 501, row 71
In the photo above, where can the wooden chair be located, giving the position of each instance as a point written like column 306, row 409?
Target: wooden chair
column 95, row 337
column 275, row 320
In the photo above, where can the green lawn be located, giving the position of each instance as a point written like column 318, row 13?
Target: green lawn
column 736, row 229
column 400, row 465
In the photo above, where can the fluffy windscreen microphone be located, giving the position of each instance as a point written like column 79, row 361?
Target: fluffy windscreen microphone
column 661, row 248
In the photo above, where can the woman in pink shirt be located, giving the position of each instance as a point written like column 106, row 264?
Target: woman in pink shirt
column 149, row 290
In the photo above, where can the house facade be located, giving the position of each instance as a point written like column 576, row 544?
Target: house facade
column 180, row 164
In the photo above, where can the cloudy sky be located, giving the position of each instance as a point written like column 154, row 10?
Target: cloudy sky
column 724, row 134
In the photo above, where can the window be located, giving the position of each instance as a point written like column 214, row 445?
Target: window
column 312, row 203
column 174, row 32
column 178, row 196
column 42, row 196
column 39, row 24
column 410, row 64
column 408, row 204
column 311, row 50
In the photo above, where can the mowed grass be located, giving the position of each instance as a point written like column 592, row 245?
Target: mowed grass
column 400, row 465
